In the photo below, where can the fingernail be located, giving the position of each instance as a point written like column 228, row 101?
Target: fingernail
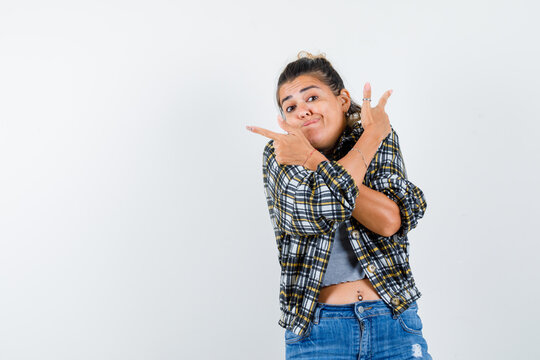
column 249, row 128
column 368, row 86
column 391, row 91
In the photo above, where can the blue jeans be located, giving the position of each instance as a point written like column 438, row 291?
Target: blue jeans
column 360, row 330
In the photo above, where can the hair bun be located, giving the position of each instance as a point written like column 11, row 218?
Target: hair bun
column 305, row 54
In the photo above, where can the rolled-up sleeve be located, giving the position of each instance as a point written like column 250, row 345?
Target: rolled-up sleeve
column 391, row 179
column 306, row 202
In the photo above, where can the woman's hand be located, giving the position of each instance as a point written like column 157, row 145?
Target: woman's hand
column 375, row 120
column 290, row 149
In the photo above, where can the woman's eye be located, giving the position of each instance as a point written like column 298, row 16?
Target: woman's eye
column 314, row 97
column 289, row 108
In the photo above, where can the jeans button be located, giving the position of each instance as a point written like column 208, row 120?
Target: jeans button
column 360, row 309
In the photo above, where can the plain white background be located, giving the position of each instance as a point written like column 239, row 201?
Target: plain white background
column 133, row 223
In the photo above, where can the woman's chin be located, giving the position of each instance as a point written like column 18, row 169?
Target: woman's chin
column 318, row 142
column 320, row 146
column 315, row 138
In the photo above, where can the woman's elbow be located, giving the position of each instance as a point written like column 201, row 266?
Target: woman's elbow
column 393, row 223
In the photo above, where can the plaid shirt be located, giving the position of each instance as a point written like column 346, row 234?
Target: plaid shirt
column 306, row 207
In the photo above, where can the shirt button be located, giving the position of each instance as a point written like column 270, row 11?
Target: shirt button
column 356, row 234
column 371, row 268
column 395, row 301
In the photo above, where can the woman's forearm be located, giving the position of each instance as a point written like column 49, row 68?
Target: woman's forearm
column 372, row 209
column 376, row 212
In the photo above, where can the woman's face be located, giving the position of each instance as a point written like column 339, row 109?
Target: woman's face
column 309, row 103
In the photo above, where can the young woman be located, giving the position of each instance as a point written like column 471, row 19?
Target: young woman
column 341, row 207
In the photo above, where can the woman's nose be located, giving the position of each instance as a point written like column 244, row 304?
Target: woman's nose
column 304, row 111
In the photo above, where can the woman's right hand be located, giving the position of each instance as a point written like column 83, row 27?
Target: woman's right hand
column 375, row 120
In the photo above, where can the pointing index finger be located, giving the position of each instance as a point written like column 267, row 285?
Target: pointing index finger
column 264, row 132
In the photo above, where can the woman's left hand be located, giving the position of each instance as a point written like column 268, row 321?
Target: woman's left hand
column 290, row 149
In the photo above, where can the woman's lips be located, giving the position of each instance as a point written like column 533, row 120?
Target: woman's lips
column 310, row 122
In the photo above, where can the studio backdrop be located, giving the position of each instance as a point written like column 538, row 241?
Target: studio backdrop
column 133, row 220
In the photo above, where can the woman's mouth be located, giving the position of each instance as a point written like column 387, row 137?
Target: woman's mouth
column 309, row 122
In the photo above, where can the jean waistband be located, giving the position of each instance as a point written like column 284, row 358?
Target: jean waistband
column 364, row 308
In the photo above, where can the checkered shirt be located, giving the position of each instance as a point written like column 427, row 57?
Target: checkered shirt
column 306, row 207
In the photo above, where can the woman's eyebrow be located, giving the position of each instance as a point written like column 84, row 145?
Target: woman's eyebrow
column 304, row 89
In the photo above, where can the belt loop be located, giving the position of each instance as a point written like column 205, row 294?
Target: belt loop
column 317, row 313
column 395, row 314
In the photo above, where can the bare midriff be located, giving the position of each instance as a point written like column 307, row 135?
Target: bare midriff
column 348, row 292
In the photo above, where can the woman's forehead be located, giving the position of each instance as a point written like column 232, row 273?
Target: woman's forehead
column 300, row 84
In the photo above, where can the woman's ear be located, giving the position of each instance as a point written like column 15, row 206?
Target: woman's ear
column 345, row 99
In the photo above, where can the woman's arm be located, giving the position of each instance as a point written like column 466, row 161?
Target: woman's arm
column 390, row 179
column 376, row 212
column 372, row 209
